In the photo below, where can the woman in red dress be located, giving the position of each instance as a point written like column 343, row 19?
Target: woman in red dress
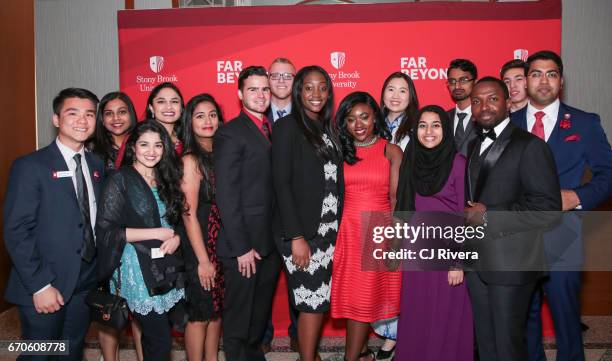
column 371, row 170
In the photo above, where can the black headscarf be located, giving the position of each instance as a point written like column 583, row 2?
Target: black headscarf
column 423, row 170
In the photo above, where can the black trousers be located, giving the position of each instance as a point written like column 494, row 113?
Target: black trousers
column 70, row 323
column 247, row 307
column 500, row 313
column 156, row 336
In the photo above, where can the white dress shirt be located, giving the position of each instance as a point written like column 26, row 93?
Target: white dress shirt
column 275, row 110
column 486, row 143
column 467, row 118
column 549, row 120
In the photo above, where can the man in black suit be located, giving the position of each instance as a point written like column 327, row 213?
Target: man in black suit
column 281, row 74
column 513, row 190
column 49, row 215
column 462, row 75
column 245, row 198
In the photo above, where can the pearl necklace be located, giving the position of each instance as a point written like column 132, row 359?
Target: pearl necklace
column 367, row 143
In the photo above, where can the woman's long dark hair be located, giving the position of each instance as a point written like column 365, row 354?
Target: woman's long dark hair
column 192, row 146
column 313, row 133
column 347, row 141
column 102, row 142
column 168, row 172
column 409, row 116
column 178, row 126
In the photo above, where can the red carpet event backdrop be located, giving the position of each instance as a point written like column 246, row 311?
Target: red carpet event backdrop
column 204, row 49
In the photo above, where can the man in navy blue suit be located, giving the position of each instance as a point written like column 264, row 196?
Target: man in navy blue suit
column 49, row 215
column 577, row 141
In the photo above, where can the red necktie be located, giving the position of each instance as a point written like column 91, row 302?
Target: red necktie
column 538, row 127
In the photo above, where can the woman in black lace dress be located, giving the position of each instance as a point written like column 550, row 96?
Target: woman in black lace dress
column 204, row 285
column 307, row 173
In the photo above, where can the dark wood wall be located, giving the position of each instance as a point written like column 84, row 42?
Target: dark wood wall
column 17, row 100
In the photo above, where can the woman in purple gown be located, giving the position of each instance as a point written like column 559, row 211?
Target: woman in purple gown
column 436, row 318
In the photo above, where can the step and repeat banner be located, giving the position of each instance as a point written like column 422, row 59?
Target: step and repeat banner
column 204, row 49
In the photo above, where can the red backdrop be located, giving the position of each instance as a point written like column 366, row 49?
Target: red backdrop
column 204, row 49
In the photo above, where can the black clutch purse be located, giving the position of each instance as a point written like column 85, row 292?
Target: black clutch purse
column 109, row 309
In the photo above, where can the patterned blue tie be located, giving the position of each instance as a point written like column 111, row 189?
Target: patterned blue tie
column 280, row 113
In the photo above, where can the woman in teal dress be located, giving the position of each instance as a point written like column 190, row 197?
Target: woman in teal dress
column 140, row 206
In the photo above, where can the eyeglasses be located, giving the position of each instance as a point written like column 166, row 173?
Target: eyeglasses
column 462, row 81
column 551, row 74
column 277, row 76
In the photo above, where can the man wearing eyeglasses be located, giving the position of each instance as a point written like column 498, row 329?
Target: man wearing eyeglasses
column 513, row 74
column 462, row 75
column 576, row 139
column 280, row 74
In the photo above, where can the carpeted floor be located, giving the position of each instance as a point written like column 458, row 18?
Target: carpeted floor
column 597, row 342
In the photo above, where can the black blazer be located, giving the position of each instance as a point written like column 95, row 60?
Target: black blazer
column 244, row 194
column 127, row 202
column 299, row 182
column 470, row 133
column 43, row 230
column 518, row 180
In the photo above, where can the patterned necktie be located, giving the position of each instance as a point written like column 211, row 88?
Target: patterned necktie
column 538, row 126
column 89, row 246
column 460, row 131
column 265, row 128
column 280, row 113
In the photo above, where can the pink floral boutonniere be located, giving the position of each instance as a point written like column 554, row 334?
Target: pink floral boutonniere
column 96, row 175
column 565, row 122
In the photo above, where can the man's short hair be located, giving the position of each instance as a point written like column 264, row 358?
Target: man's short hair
column 546, row 55
column 281, row 60
column 502, row 85
column 464, row 65
column 59, row 99
column 513, row 64
column 250, row 71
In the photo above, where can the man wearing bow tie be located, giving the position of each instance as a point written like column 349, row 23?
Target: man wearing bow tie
column 577, row 140
column 280, row 73
column 49, row 215
column 462, row 75
column 511, row 176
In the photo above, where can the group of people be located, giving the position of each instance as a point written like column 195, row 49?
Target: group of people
column 191, row 217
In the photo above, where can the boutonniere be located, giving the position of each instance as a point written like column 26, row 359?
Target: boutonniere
column 572, row 138
column 565, row 122
column 96, row 175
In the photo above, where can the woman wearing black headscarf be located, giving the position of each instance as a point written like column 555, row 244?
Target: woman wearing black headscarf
column 436, row 317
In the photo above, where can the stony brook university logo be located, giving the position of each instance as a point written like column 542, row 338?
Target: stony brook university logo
column 156, row 63
column 337, row 59
column 522, row 54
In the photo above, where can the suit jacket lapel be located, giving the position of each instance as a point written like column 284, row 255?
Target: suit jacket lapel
column 495, row 152
column 94, row 173
column 555, row 135
column 58, row 164
column 256, row 132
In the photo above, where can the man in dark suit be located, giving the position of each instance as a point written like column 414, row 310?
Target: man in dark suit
column 577, row 140
column 280, row 74
column 245, row 198
column 512, row 186
column 49, row 215
column 462, row 75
